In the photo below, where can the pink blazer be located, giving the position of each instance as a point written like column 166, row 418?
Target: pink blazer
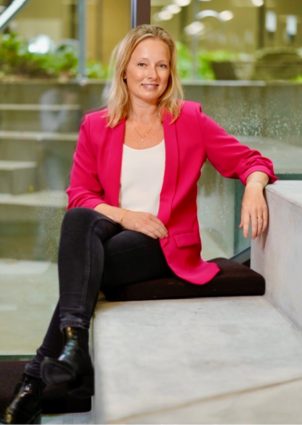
column 189, row 141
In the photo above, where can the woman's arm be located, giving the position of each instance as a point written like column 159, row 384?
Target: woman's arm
column 236, row 160
column 254, row 211
column 84, row 189
column 230, row 157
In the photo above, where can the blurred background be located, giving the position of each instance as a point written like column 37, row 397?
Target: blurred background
column 241, row 59
column 217, row 39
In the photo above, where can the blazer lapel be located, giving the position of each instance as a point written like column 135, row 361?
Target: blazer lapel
column 171, row 169
column 115, row 161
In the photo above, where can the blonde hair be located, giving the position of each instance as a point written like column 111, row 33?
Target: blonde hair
column 118, row 101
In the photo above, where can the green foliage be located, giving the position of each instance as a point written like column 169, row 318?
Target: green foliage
column 205, row 69
column 17, row 60
column 95, row 70
column 298, row 79
column 184, row 61
column 217, row 56
column 204, row 62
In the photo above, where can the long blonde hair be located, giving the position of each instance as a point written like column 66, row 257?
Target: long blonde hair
column 118, row 101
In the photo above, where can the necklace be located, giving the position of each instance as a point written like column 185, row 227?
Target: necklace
column 143, row 136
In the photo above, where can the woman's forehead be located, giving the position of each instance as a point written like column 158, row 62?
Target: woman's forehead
column 152, row 47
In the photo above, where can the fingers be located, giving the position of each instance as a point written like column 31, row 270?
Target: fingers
column 146, row 223
column 254, row 211
column 257, row 220
column 155, row 227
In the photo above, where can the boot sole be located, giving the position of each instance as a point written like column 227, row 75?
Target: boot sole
column 56, row 372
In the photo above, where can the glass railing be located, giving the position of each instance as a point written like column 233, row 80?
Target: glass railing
column 248, row 39
column 42, row 100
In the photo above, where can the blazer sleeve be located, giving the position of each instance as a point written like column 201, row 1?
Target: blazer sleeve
column 85, row 189
column 230, row 157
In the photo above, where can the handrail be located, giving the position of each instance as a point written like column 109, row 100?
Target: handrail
column 10, row 12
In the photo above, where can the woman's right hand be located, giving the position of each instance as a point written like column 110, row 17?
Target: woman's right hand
column 143, row 222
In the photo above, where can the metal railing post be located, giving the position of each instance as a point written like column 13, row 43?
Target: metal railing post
column 140, row 12
column 82, row 38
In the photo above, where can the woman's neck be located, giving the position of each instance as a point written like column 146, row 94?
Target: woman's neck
column 143, row 113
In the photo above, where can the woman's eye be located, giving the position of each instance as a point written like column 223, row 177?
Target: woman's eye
column 163, row 65
column 141, row 64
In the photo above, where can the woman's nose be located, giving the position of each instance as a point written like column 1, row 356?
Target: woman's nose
column 152, row 72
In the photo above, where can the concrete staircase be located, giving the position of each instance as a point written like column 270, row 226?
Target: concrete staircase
column 211, row 360
column 38, row 131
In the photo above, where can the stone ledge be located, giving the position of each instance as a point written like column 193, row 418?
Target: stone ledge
column 278, row 254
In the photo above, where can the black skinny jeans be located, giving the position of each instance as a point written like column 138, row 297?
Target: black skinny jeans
column 94, row 253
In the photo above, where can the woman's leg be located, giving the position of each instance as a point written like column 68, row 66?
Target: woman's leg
column 51, row 346
column 80, row 271
column 81, row 266
column 133, row 257
column 81, row 263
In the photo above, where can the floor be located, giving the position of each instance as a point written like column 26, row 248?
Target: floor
column 69, row 418
column 29, row 291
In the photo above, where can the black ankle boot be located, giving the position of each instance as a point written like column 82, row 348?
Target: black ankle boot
column 25, row 407
column 73, row 365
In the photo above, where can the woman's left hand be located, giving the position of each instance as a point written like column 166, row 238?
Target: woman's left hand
column 254, row 211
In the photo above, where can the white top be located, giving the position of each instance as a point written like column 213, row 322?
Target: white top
column 142, row 178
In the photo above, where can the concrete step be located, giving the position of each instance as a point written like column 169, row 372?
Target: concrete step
column 30, row 225
column 51, row 151
column 195, row 361
column 40, row 117
column 33, row 145
column 37, row 90
column 18, row 177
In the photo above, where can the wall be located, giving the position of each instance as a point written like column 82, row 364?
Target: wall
column 43, row 17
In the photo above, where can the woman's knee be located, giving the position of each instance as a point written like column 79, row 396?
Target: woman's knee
column 79, row 217
column 79, row 221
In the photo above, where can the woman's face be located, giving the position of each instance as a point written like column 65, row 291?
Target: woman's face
column 147, row 73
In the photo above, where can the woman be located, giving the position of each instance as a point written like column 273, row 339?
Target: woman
column 132, row 205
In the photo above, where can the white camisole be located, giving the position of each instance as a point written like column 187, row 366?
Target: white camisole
column 142, row 177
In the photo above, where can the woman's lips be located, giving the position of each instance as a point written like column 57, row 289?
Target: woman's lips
column 150, row 86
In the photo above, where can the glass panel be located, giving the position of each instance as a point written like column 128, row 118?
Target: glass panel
column 41, row 104
column 234, row 39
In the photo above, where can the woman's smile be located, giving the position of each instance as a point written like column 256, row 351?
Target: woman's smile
column 150, row 86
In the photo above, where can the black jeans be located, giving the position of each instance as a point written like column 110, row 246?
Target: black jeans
column 94, row 253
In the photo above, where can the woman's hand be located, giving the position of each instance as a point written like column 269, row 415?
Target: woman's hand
column 143, row 222
column 254, row 211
